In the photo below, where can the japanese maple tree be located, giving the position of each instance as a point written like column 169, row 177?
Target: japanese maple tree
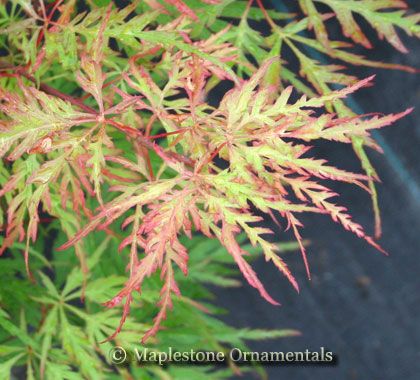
column 109, row 123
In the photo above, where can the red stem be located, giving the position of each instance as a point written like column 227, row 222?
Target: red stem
column 167, row 134
column 213, row 155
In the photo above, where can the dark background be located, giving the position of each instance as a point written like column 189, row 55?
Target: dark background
column 361, row 305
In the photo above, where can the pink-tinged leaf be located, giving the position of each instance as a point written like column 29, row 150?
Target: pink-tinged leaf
column 338, row 214
column 379, row 16
column 316, row 21
column 126, row 312
column 374, row 244
column 183, row 8
column 351, row 29
column 228, row 240
column 340, row 94
column 269, row 249
column 295, row 223
column 280, row 264
column 343, row 129
column 165, row 302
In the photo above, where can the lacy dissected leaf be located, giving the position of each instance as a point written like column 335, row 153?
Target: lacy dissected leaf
column 34, row 122
column 183, row 8
column 381, row 15
column 315, row 21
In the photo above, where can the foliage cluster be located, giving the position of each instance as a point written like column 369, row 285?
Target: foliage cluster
column 110, row 122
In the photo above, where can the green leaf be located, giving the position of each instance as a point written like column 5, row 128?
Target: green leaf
column 15, row 331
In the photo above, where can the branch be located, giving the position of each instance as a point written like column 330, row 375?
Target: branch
column 47, row 89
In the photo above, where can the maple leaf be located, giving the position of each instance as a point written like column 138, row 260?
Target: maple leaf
column 315, row 21
column 34, row 121
column 183, row 8
column 375, row 13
